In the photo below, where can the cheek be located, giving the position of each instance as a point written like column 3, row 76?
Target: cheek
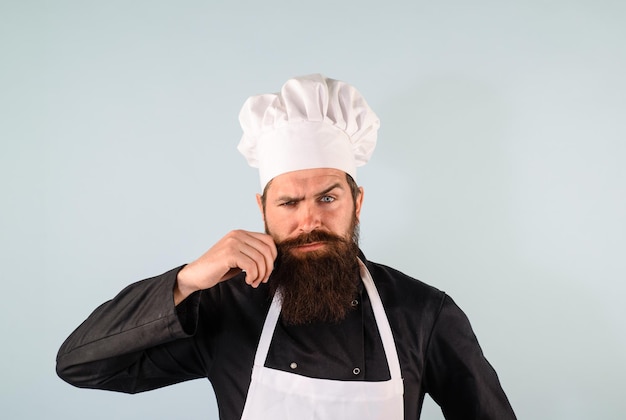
column 278, row 226
column 340, row 221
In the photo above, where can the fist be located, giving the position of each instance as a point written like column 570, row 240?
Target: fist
column 238, row 251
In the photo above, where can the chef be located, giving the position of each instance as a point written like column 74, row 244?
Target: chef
column 294, row 322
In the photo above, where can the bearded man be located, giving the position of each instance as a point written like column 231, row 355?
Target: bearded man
column 294, row 322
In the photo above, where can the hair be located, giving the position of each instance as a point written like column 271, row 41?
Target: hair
column 354, row 190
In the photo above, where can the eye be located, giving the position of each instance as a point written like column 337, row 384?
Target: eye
column 327, row 199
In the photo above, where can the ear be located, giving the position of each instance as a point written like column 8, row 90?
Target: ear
column 259, row 203
column 359, row 203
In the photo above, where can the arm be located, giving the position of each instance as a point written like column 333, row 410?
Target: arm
column 141, row 340
column 457, row 375
column 129, row 342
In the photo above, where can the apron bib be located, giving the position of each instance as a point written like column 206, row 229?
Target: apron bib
column 278, row 395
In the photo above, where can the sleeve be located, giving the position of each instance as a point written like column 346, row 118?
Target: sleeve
column 135, row 342
column 457, row 375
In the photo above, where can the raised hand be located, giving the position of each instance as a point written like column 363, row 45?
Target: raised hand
column 238, row 251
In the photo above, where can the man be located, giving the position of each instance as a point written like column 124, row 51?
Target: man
column 294, row 322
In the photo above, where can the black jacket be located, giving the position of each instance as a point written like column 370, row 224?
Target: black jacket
column 140, row 341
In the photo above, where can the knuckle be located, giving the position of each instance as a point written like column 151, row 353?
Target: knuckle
column 231, row 235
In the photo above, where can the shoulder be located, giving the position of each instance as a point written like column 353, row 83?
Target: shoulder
column 398, row 282
column 403, row 293
column 409, row 301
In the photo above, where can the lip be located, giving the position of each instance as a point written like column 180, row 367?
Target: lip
column 313, row 246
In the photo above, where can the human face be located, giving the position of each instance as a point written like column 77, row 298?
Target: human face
column 301, row 202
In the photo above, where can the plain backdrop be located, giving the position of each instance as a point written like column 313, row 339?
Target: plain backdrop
column 499, row 174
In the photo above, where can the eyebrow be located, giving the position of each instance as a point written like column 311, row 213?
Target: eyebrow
column 287, row 198
column 329, row 189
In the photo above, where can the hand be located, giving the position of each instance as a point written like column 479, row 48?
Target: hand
column 238, row 251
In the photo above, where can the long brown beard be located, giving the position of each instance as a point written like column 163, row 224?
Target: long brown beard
column 317, row 286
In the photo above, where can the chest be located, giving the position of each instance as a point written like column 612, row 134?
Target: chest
column 348, row 350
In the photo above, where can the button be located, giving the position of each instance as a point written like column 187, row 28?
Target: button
column 293, row 365
column 356, row 370
column 354, row 302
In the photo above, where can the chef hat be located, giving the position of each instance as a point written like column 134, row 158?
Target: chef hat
column 314, row 122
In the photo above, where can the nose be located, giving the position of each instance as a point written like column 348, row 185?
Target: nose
column 309, row 218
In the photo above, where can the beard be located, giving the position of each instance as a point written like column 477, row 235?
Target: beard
column 317, row 286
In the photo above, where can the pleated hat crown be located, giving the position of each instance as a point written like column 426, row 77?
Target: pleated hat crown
column 313, row 122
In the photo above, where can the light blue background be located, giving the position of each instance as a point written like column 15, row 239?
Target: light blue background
column 499, row 175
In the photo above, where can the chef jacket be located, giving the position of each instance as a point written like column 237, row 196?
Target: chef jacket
column 140, row 341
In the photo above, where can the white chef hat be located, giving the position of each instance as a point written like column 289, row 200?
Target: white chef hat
column 314, row 122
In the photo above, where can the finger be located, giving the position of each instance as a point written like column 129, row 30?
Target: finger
column 266, row 240
column 253, row 262
column 266, row 248
column 249, row 266
column 252, row 252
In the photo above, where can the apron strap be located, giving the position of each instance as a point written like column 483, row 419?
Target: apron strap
column 268, row 331
column 384, row 329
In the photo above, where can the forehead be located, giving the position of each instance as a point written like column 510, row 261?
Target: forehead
column 306, row 180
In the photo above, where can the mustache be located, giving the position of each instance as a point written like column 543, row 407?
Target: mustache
column 310, row 237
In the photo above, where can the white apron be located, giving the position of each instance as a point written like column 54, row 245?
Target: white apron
column 278, row 395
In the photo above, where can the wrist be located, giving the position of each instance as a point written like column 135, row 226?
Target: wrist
column 182, row 287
